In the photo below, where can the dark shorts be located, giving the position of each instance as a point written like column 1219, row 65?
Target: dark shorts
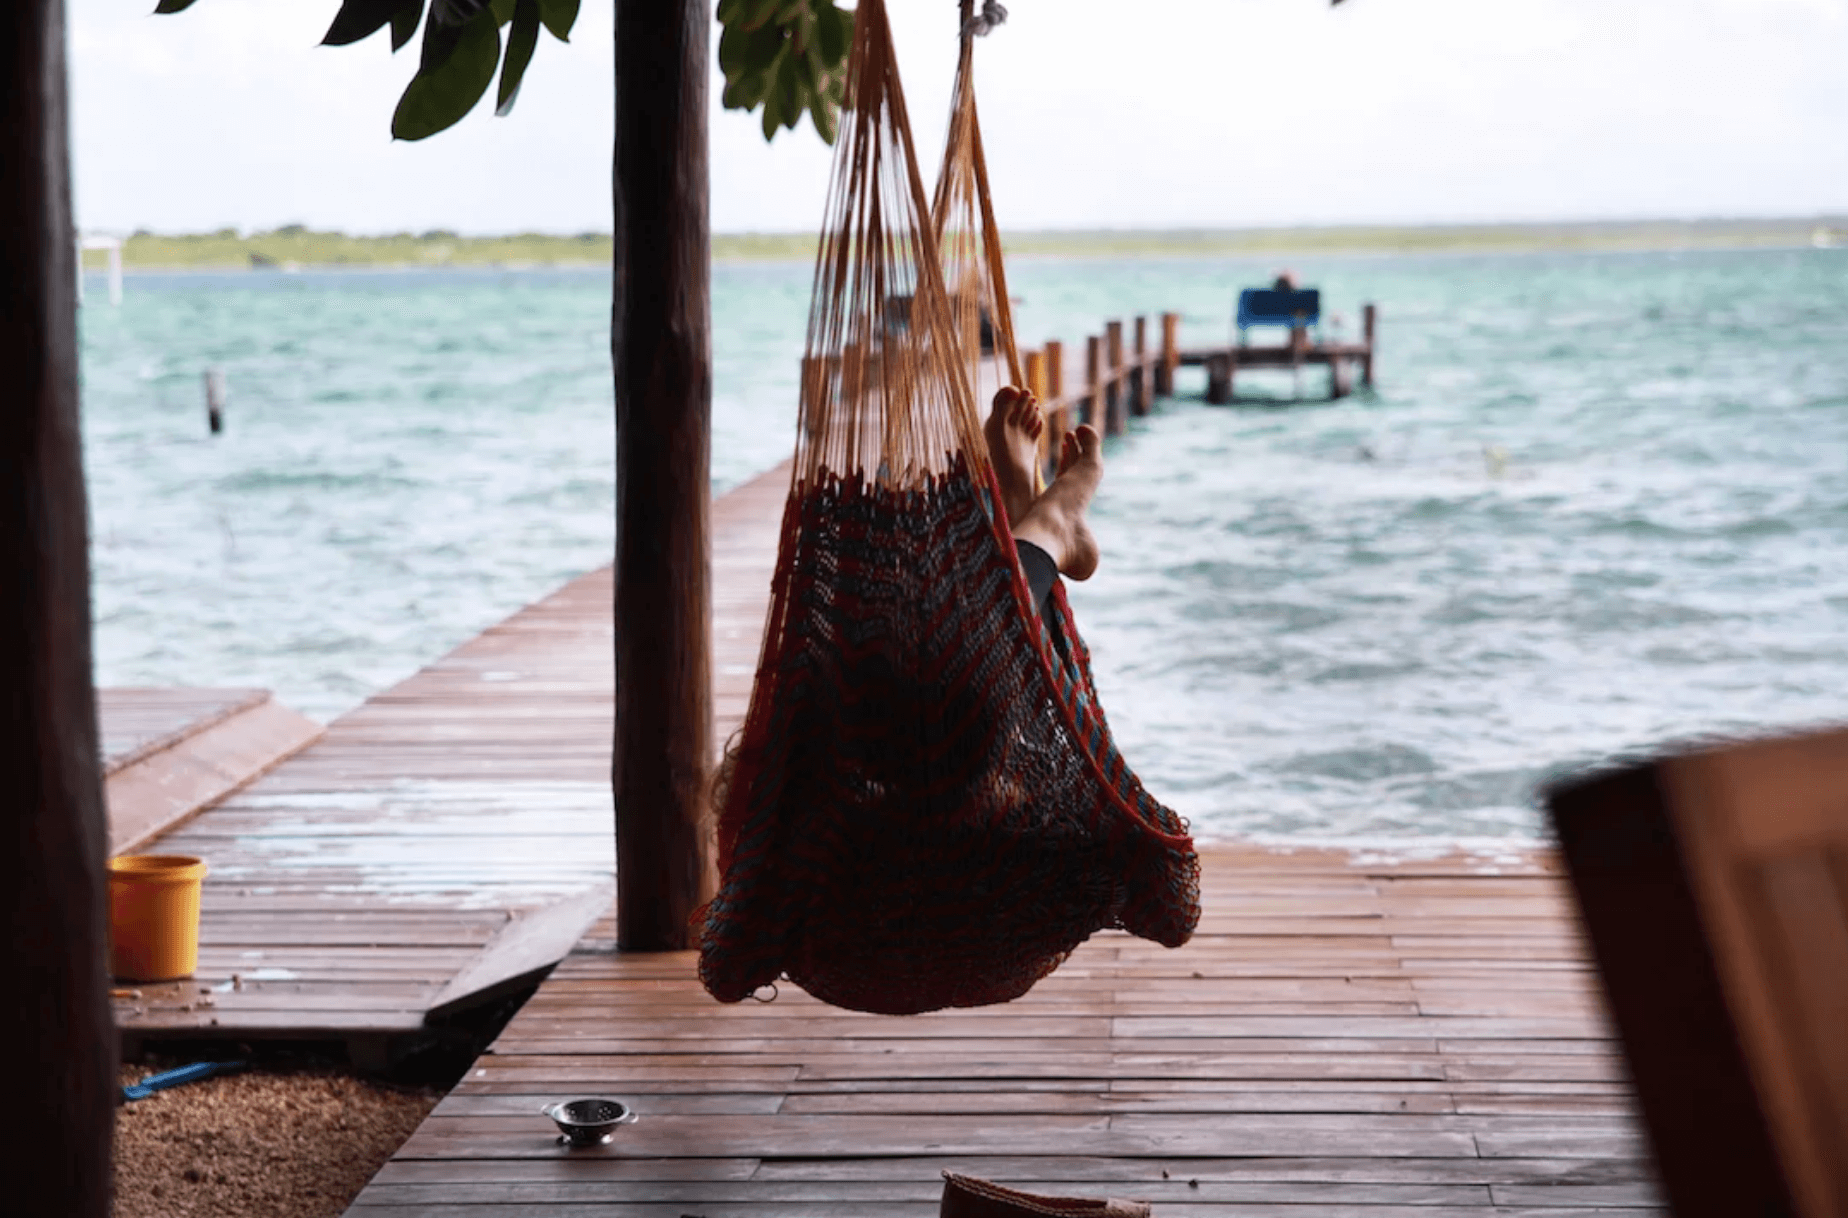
column 1041, row 573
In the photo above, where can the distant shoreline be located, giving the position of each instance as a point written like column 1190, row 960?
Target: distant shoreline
column 296, row 247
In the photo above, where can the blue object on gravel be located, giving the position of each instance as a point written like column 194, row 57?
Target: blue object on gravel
column 173, row 1078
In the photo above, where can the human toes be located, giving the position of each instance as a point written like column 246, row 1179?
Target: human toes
column 1028, row 416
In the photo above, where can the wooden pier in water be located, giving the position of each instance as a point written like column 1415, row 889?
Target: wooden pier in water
column 1345, row 362
column 1117, row 375
column 1366, row 1033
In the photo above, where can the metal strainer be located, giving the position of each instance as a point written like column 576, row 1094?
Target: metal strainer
column 589, row 1121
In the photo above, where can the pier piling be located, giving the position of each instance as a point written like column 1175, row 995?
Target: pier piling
column 215, row 399
column 1170, row 354
column 1114, row 397
column 1139, row 396
column 1094, row 382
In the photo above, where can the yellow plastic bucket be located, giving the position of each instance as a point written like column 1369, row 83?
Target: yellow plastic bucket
column 154, row 916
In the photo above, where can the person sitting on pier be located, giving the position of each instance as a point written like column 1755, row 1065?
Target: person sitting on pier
column 1285, row 282
column 1049, row 527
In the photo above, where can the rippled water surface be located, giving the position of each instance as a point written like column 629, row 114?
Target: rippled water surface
column 1598, row 502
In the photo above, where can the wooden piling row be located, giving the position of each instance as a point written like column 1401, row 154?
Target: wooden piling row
column 1118, row 382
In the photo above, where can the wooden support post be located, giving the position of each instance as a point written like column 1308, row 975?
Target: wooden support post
column 813, row 393
column 1116, row 400
column 1036, row 385
column 215, row 400
column 1170, row 354
column 1058, row 413
column 1368, row 316
column 1094, row 382
column 1219, row 378
column 661, row 345
column 57, row 1028
column 1140, row 396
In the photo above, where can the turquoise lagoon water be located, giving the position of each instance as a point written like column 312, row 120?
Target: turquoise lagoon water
column 1598, row 502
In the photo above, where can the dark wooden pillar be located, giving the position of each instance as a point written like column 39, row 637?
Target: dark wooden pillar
column 1369, row 319
column 661, row 345
column 1170, row 354
column 55, row 1020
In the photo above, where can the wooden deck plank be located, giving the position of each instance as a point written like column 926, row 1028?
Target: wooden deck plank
column 1129, row 1061
column 167, row 753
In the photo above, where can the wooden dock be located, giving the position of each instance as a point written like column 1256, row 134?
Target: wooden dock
column 1344, row 361
column 1118, row 374
column 1347, row 1034
column 1368, row 1034
column 167, row 753
column 441, row 843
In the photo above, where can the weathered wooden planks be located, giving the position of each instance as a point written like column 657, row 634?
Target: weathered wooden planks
column 1347, row 1035
column 167, row 753
column 446, row 838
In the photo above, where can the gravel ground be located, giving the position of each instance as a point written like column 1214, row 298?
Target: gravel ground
column 280, row 1143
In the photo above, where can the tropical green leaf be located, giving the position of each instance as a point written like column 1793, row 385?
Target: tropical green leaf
column 438, row 97
column 806, row 75
column 747, row 91
column 503, row 10
column 520, row 43
column 457, row 12
column 826, row 118
column 439, row 41
column 733, row 52
column 173, row 6
column 758, row 13
column 404, row 24
column 833, row 34
column 788, row 91
column 772, row 117
column 762, row 46
column 359, row 19
column 559, row 16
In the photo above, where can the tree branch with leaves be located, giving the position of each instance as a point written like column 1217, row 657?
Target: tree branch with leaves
column 787, row 56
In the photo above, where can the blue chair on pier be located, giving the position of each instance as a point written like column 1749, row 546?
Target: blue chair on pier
column 1271, row 307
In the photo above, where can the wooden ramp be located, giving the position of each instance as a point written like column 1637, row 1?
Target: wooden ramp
column 167, row 753
column 443, row 841
column 1380, row 1036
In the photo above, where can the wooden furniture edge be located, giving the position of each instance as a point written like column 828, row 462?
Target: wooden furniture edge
column 1705, row 1117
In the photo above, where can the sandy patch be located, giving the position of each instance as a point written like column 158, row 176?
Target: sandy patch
column 275, row 1142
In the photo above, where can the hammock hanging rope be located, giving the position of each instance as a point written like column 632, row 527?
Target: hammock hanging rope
column 924, row 808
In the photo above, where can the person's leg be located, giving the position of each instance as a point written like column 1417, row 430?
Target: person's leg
column 1050, row 532
column 1055, row 521
column 1041, row 572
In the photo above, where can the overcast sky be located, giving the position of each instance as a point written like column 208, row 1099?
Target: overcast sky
column 1131, row 113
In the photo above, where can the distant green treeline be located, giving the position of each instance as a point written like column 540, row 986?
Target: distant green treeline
column 296, row 245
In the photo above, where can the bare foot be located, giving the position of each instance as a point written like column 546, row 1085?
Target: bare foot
column 1055, row 521
column 1013, row 431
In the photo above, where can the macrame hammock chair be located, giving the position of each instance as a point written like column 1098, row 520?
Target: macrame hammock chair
column 924, row 808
